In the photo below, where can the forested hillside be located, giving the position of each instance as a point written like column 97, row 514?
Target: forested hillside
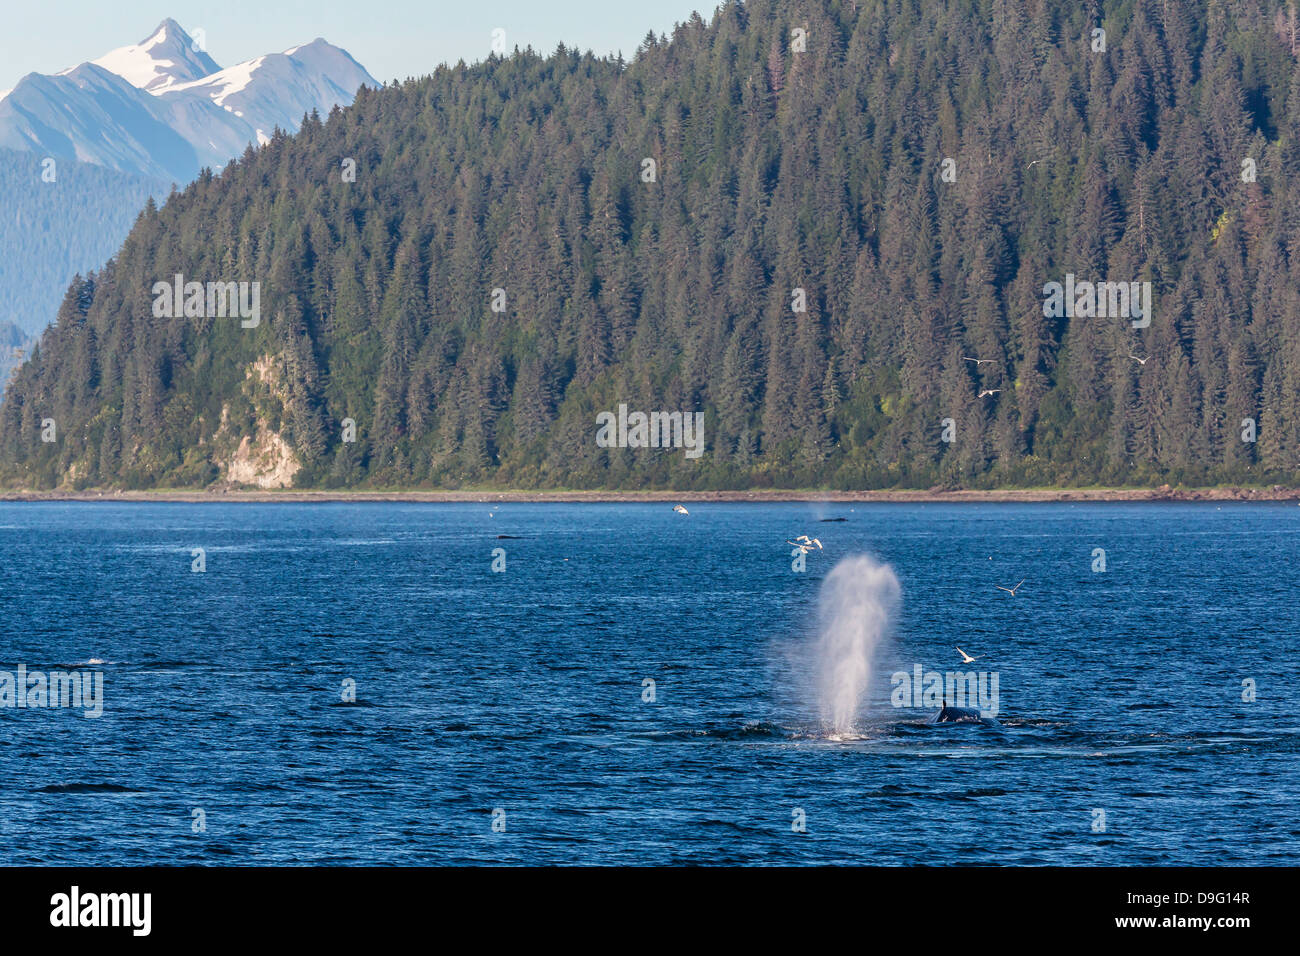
column 797, row 145
column 14, row 346
column 71, row 220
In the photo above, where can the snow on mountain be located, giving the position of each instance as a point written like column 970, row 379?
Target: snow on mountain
column 94, row 116
column 162, row 108
column 155, row 64
column 277, row 89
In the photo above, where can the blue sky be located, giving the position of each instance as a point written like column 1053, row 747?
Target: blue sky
column 393, row 39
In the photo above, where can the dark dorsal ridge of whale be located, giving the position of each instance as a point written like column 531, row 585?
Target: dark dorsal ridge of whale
column 951, row 714
column 962, row 715
column 957, row 715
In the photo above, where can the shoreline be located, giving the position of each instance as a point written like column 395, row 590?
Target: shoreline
column 902, row 496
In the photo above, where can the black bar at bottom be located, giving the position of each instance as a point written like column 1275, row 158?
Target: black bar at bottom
column 332, row 905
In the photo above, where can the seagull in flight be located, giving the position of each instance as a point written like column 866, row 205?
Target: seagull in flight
column 977, row 361
column 1011, row 591
column 1138, row 360
column 966, row 658
column 680, row 509
column 805, row 543
column 989, row 391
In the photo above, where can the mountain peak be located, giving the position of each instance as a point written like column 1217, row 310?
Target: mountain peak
column 168, row 28
column 318, row 43
column 166, row 57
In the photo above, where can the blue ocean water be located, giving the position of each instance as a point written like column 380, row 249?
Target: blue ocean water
column 517, row 697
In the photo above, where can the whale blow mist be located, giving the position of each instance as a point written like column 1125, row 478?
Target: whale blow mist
column 858, row 600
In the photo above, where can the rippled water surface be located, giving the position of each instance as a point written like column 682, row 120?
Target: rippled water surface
column 523, row 690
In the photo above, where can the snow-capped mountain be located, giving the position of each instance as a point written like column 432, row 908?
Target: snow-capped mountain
column 166, row 58
column 277, row 89
column 123, row 128
column 164, row 108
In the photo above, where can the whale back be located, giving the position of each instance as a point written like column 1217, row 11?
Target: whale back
column 962, row 715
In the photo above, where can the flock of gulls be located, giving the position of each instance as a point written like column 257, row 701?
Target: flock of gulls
column 808, row 545
column 805, row 543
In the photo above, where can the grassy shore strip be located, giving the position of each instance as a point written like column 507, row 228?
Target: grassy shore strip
column 1163, row 493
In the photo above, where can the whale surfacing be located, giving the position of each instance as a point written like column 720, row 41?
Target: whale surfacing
column 962, row 715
